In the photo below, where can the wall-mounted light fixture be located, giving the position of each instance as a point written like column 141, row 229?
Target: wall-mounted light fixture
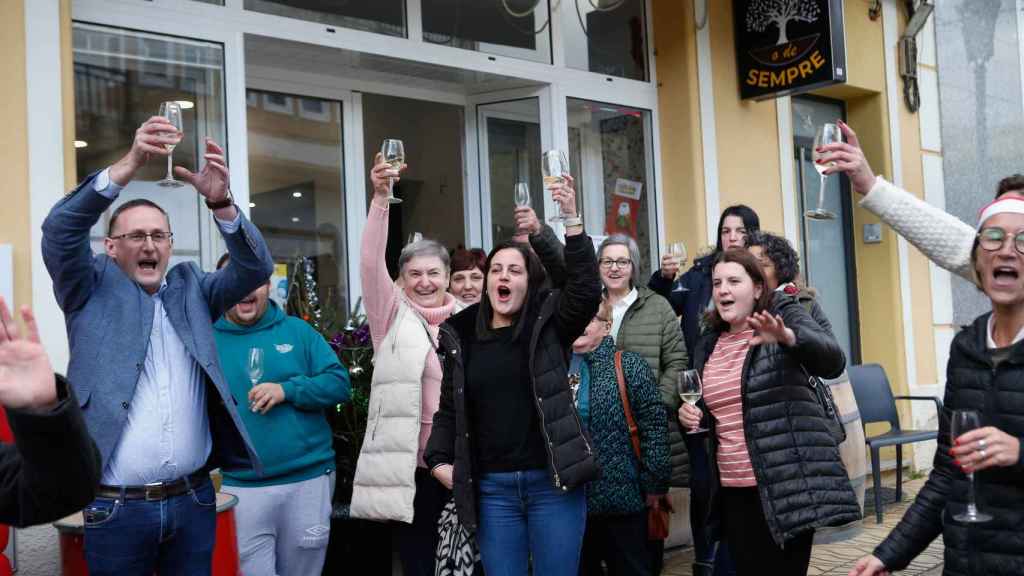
column 918, row 12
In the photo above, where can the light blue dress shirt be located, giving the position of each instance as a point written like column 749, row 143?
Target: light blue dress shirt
column 167, row 434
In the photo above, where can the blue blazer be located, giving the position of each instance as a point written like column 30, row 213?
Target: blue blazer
column 109, row 318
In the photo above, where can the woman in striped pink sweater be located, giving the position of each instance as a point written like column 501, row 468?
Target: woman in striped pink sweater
column 778, row 471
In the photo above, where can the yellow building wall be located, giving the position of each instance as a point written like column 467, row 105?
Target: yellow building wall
column 14, row 220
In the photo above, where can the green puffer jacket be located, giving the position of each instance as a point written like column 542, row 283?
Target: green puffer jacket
column 650, row 328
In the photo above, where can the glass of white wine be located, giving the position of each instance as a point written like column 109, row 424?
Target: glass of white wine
column 689, row 388
column 172, row 112
column 827, row 134
column 555, row 167
column 393, row 152
column 522, row 197
column 964, row 421
column 255, row 365
column 677, row 250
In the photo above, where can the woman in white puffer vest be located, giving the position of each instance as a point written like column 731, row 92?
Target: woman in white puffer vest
column 391, row 480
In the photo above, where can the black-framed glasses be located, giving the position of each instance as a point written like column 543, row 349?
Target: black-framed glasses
column 992, row 239
column 140, row 237
column 620, row 263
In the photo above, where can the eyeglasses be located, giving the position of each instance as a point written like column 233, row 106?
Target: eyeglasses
column 138, row 238
column 992, row 239
column 620, row 263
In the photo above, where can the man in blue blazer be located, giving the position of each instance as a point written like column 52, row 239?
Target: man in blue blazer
column 143, row 361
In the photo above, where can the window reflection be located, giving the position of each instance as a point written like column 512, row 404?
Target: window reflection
column 379, row 16
column 514, row 28
column 606, row 36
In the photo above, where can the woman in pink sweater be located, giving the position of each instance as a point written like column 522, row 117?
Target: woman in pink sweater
column 423, row 290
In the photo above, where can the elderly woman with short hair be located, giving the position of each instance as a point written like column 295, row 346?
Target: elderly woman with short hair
column 644, row 322
column 391, row 480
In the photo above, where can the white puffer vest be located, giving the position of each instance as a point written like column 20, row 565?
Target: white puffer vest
column 385, row 481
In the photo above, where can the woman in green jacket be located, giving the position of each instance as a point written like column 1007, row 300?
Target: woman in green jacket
column 644, row 322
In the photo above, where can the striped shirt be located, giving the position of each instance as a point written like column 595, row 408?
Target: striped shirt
column 722, row 375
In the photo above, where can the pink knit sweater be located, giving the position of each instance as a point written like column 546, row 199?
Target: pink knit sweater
column 381, row 297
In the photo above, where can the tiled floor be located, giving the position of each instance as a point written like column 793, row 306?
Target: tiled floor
column 836, row 559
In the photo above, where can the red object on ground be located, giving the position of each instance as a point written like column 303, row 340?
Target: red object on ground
column 225, row 547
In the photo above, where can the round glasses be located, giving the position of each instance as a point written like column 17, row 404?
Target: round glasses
column 992, row 239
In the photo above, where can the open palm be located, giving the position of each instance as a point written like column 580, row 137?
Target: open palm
column 26, row 376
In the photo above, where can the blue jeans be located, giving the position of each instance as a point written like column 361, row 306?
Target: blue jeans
column 523, row 516
column 138, row 537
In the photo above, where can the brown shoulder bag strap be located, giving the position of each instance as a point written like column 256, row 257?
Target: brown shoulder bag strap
column 634, row 432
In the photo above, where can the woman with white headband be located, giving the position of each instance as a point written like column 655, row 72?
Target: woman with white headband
column 985, row 374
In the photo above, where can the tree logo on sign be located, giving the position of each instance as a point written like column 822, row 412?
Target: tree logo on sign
column 762, row 14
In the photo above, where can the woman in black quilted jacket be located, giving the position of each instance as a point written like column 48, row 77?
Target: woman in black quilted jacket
column 777, row 470
column 985, row 374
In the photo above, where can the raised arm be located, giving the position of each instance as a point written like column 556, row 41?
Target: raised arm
column 379, row 292
column 581, row 295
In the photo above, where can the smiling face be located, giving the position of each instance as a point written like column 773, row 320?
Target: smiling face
column 468, row 285
column 616, row 268
column 144, row 262
column 507, row 285
column 733, row 232
column 425, row 280
column 249, row 311
column 1001, row 271
column 734, row 293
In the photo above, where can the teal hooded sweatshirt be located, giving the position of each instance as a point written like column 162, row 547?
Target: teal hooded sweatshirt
column 293, row 439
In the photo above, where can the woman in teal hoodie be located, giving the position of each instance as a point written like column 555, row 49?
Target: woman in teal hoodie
column 283, row 516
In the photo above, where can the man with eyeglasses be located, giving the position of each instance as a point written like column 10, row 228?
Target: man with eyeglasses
column 144, row 364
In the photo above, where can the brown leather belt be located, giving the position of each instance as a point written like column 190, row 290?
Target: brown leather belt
column 157, row 490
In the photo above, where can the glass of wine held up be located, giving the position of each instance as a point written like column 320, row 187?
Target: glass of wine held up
column 172, row 112
column 677, row 250
column 393, row 152
column 555, row 167
column 827, row 134
column 689, row 388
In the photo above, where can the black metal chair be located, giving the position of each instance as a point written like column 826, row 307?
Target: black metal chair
column 876, row 403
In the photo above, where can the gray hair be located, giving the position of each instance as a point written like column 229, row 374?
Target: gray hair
column 634, row 253
column 427, row 248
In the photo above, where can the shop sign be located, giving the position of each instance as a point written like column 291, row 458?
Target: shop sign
column 786, row 47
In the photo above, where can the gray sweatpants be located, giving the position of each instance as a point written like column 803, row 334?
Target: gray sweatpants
column 283, row 530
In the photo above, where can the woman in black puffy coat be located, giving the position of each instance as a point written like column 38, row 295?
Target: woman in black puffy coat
column 985, row 374
column 777, row 473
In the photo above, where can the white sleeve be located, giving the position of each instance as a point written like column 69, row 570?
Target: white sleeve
column 941, row 237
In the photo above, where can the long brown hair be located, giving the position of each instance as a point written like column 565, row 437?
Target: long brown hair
column 750, row 264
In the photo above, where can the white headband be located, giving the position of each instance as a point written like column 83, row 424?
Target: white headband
column 1000, row 206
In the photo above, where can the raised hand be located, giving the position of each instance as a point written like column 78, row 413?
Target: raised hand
column 212, row 181
column 26, row 377
column 150, row 139
column 526, row 221
column 564, row 194
column 770, row 329
column 669, row 266
column 379, row 175
column 849, row 159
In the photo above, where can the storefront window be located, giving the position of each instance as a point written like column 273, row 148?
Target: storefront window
column 609, row 155
column 514, row 28
column 511, row 146
column 605, row 36
column 121, row 78
column 296, row 195
column 379, row 16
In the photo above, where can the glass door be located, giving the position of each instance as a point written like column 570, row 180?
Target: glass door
column 827, row 245
column 511, row 136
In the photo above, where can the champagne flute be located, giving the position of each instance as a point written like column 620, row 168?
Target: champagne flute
column 827, row 134
column 255, row 365
column 678, row 251
column 555, row 167
column 172, row 112
column 689, row 389
column 393, row 152
column 965, row 421
column 522, row 197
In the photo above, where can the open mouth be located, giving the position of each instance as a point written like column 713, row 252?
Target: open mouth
column 504, row 293
column 1007, row 273
column 726, row 303
column 147, row 264
column 249, row 301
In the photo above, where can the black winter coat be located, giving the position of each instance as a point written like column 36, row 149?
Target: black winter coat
column 800, row 476
column 995, row 548
column 692, row 301
column 557, row 319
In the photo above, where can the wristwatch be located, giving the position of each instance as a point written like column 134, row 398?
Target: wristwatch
column 573, row 221
column 228, row 200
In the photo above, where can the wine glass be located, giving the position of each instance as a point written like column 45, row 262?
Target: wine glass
column 522, row 197
column 414, row 237
column 827, row 134
column 678, row 251
column 393, row 152
column 689, row 389
column 965, row 421
column 172, row 112
column 255, row 365
column 555, row 167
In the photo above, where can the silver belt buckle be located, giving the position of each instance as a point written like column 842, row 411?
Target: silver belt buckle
column 155, row 491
